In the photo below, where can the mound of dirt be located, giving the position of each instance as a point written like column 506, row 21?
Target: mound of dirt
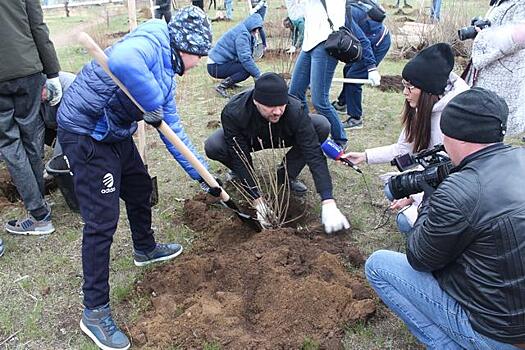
column 391, row 83
column 246, row 290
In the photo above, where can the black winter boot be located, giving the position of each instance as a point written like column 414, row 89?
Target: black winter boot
column 225, row 84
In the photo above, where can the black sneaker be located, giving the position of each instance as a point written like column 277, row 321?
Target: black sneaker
column 341, row 109
column 298, row 187
column 222, row 91
column 161, row 252
column 353, row 123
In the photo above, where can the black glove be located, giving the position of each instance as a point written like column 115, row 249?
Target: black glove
column 214, row 191
column 154, row 118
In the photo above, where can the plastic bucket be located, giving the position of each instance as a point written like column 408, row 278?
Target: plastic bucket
column 59, row 168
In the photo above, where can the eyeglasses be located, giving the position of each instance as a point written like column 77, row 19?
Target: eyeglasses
column 407, row 85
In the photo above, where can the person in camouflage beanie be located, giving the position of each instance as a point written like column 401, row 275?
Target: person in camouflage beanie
column 190, row 32
column 96, row 122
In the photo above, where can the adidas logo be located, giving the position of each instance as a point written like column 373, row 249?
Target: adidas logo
column 107, row 181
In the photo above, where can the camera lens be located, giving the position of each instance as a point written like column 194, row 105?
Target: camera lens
column 404, row 185
column 467, row 33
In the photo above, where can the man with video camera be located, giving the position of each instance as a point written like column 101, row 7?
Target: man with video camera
column 461, row 283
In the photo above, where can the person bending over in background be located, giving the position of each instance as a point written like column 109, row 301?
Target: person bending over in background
column 231, row 59
column 268, row 115
column 460, row 284
column 429, row 84
column 25, row 53
column 314, row 68
column 375, row 40
column 295, row 22
column 498, row 56
column 96, row 121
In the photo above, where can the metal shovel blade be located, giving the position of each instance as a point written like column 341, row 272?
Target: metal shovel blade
column 247, row 219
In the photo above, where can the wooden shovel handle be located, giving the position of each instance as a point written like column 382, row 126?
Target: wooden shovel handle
column 94, row 50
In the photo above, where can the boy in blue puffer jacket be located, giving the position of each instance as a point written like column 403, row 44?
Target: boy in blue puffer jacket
column 96, row 121
column 231, row 58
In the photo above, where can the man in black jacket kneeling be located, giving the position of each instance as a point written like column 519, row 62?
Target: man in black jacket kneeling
column 461, row 284
column 267, row 117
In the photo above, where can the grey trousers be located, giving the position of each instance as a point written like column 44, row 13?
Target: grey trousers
column 22, row 138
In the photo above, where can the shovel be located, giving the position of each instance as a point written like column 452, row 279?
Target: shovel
column 91, row 46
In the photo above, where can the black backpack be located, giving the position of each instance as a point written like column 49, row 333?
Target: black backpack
column 375, row 11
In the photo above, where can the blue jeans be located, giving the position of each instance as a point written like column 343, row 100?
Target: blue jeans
column 432, row 316
column 351, row 94
column 228, row 4
column 262, row 12
column 403, row 225
column 435, row 9
column 315, row 68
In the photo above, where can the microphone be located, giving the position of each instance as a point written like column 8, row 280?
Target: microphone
column 334, row 151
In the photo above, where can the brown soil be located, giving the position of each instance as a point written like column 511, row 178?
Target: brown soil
column 391, row 83
column 213, row 124
column 8, row 192
column 245, row 290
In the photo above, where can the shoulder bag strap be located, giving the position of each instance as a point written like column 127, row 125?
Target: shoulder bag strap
column 327, row 16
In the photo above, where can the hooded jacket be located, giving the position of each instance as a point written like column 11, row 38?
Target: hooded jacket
column 142, row 61
column 236, row 45
column 369, row 32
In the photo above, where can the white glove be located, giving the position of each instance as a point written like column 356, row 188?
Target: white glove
column 252, row 11
column 54, row 91
column 332, row 218
column 264, row 213
column 374, row 77
column 291, row 50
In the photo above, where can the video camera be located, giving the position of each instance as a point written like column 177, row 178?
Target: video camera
column 437, row 167
column 470, row 31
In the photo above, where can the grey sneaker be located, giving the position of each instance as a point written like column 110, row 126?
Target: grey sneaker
column 100, row 327
column 298, row 187
column 353, row 123
column 31, row 226
column 341, row 109
column 2, row 248
column 161, row 252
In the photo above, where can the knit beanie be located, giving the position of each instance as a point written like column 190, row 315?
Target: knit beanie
column 476, row 115
column 429, row 69
column 271, row 90
column 190, row 31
